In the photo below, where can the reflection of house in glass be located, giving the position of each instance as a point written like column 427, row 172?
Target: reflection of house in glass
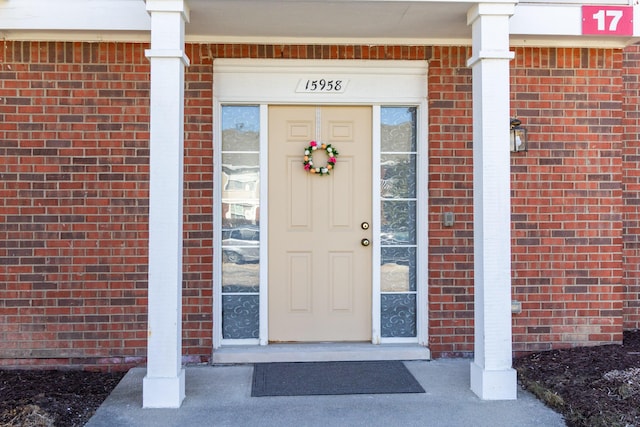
column 240, row 165
column 240, row 193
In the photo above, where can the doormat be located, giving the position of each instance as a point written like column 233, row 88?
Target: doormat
column 332, row 378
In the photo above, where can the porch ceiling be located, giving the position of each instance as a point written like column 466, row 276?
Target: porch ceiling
column 328, row 20
column 420, row 22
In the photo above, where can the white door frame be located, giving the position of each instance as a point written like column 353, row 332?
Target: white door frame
column 373, row 83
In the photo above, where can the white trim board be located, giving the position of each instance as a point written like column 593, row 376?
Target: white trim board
column 375, row 83
column 275, row 81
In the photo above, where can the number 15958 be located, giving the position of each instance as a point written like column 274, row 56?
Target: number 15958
column 321, row 85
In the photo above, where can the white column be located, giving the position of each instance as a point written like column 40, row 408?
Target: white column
column 163, row 385
column 491, row 374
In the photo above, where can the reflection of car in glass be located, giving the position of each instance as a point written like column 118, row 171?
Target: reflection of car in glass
column 240, row 245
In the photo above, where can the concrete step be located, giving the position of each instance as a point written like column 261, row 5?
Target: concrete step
column 318, row 352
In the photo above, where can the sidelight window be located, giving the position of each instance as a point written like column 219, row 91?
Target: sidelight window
column 398, row 228
column 240, row 218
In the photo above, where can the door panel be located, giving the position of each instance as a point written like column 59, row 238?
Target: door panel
column 341, row 191
column 299, row 199
column 341, row 293
column 319, row 273
column 300, row 280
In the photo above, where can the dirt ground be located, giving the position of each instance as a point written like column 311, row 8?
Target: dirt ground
column 52, row 398
column 591, row 386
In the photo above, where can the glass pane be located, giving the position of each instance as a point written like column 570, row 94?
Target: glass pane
column 238, row 277
column 241, row 244
column 398, row 269
column 240, row 189
column 245, row 212
column 240, row 128
column 398, row 223
column 244, row 235
column 241, row 166
column 398, row 315
column 398, row 176
column 240, row 176
column 398, row 129
column 240, row 316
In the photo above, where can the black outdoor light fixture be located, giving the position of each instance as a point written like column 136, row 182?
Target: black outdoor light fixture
column 518, row 136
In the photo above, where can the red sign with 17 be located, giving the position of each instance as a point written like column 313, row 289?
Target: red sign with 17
column 607, row 20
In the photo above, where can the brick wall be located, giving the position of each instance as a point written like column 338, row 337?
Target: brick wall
column 567, row 198
column 73, row 218
column 73, row 229
column 450, row 190
column 631, row 185
column 73, row 222
column 197, row 292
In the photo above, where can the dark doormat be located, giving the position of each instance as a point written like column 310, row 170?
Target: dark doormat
column 325, row 378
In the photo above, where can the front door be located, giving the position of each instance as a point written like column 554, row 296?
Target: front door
column 319, row 267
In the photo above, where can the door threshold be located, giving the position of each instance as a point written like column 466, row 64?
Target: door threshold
column 318, row 352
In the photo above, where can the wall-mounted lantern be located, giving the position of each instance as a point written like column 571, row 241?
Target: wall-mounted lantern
column 518, row 136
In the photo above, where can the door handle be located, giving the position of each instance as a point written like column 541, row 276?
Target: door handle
column 365, row 242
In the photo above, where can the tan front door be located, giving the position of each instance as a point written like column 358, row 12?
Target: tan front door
column 319, row 270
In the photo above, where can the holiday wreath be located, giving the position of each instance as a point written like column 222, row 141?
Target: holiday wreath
column 332, row 153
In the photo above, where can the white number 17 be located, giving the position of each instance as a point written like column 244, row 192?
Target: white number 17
column 602, row 15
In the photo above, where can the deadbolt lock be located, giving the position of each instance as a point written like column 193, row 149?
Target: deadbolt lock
column 365, row 225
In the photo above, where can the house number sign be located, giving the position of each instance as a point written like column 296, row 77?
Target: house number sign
column 607, row 20
column 322, row 85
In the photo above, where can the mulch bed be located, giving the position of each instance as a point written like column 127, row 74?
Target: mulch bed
column 590, row 386
column 52, row 398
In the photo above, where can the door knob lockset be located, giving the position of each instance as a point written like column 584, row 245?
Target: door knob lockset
column 365, row 242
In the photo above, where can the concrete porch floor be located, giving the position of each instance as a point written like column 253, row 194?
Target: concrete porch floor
column 221, row 396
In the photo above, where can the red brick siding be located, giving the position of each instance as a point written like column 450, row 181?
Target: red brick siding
column 73, row 225
column 450, row 190
column 567, row 198
column 631, row 185
column 75, row 137
column 197, row 293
